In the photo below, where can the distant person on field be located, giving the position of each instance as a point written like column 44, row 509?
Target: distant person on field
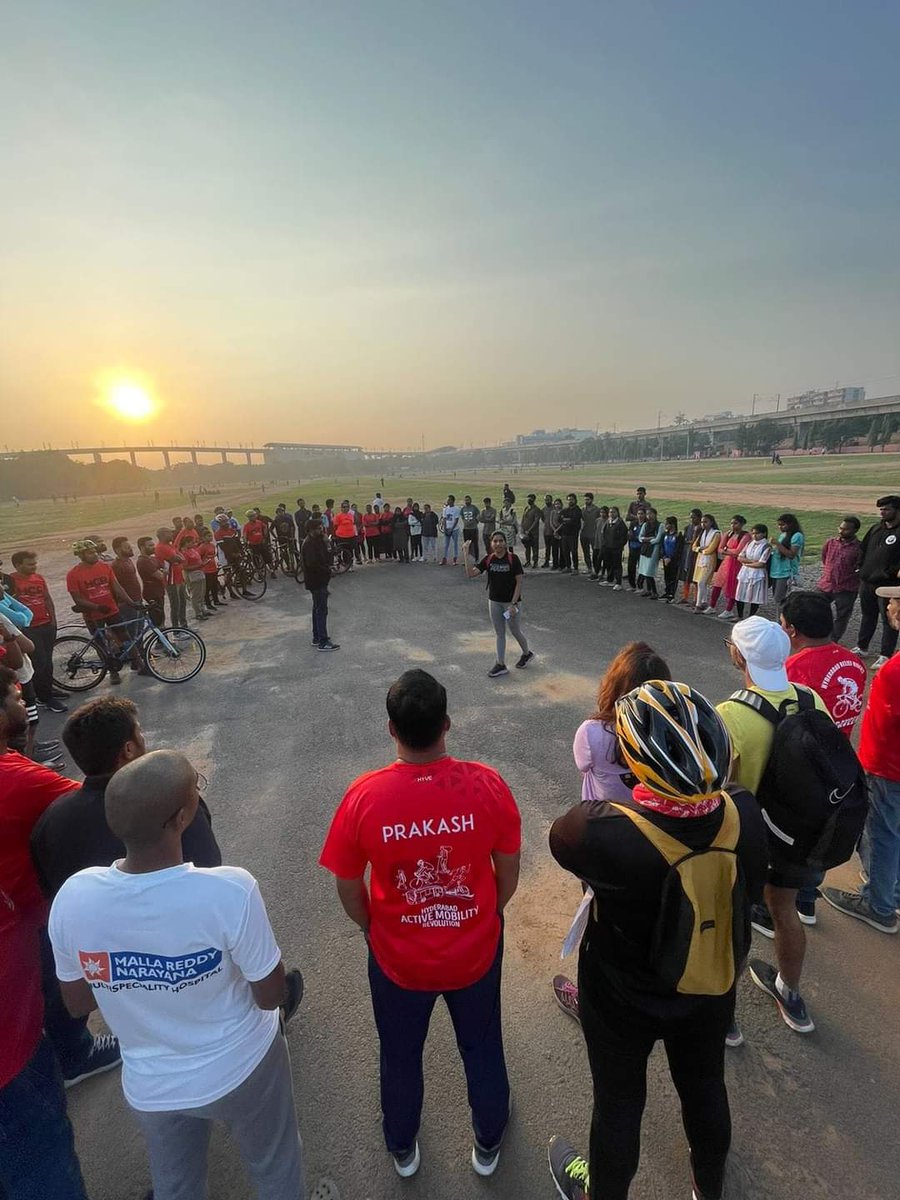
column 441, row 838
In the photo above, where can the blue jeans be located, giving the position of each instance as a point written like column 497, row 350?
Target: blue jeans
column 402, row 1017
column 37, row 1151
column 454, row 538
column 880, row 850
column 320, row 615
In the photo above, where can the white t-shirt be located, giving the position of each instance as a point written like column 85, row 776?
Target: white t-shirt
column 450, row 515
column 169, row 955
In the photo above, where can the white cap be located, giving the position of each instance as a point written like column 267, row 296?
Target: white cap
column 765, row 647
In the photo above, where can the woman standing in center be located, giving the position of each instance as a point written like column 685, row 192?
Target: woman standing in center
column 415, row 533
column 505, row 574
column 706, row 547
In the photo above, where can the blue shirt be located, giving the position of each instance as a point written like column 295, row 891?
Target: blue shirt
column 784, row 568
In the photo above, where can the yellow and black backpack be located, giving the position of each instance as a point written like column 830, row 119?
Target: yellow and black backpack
column 702, row 931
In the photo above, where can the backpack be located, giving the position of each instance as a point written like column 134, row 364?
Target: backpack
column 813, row 791
column 702, row 932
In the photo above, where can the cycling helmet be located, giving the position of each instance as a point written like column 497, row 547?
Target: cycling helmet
column 84, row 544
column 674, row 741
column 251, row 513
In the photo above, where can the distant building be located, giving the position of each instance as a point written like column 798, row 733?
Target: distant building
column 545, row 437
column 838, row 395
column 724, row 415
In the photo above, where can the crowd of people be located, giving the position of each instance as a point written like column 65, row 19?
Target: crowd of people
column 697, row 823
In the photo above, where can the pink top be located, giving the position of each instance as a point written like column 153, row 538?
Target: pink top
column 594, row 751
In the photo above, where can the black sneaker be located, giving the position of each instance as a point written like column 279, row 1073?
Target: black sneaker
column 525, row 659
column 407, row 1164
column 103, row 1056
column 53, row 705
column 734, row 1037
column 294, row 984
column 497, row 670
column 792, row 1009
column 806, row 911
column 569, row 1170
column 761, row 920
column 115, row 678
column 329, row 645
column 857, row 906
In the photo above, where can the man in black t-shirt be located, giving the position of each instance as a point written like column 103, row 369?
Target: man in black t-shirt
column 504, row 572
column 678, row 750
column 568, row 534
column 879, row 567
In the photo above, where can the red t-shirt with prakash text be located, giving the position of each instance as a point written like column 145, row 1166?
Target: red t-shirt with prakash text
column 95, row 582
column 428, row 830
column 31, row 590
column 837, row 674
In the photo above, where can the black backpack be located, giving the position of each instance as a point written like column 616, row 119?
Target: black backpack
column 813, row 791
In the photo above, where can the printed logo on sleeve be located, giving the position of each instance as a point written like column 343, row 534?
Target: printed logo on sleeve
column 119, row 969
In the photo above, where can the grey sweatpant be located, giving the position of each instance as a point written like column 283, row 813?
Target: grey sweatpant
column 501, row 624
column 259, row 1114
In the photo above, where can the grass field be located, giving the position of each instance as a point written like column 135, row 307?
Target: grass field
column 819, row 489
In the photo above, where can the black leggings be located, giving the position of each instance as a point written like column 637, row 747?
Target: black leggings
column 619, row 1040
column 211, row 590
column 371, row 548
column 415, row 545
column 740, row 605
column 633, row 557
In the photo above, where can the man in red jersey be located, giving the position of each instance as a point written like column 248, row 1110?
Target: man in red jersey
column 98, row 594
column 879, row 752
column 31, row 589
column 442, row 838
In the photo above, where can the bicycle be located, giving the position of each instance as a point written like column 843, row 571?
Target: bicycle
column 240, row 575
column 341, row 559
column 285, row 557
column 171, row 654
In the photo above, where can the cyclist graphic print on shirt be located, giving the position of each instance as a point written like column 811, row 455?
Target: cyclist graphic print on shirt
column 426, row 882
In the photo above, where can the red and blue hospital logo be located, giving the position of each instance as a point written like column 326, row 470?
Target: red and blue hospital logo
column 95, row 966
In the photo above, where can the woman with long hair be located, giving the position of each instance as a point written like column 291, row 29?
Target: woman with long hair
column 706, row 547
column 604, row 773
column 651, row 544
column 725, row 578
column 787, row 550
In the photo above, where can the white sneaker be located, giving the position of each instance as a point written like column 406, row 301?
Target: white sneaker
column 879, row 662
column 728, row 616
column 709, row 611
column 617, row 587
column 859, row 650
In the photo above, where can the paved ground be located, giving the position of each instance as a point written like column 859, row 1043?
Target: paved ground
column 281, row 729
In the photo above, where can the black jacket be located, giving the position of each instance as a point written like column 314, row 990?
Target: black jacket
column 73, row 834
column 614, row 535
column 316, row 562
column 880, row 562
column 571, row 521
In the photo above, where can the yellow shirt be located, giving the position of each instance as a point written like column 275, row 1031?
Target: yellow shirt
column 751, row 735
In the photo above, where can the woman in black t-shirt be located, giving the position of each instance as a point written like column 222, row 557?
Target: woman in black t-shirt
column 504, row 572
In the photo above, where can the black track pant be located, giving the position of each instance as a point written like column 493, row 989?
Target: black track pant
column 619, row 1040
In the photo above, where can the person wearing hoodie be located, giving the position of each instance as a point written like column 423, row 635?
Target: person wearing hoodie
column 590, row 515
column 530, row 529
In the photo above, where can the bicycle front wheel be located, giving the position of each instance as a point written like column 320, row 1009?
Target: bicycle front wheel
column 77, row 664
column 174, row 655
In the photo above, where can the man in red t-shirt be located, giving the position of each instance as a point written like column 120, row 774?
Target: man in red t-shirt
column 878, row 903
column 166, row 554
column 818, row 662
column 31, row 589
column 442, row 838
column 837, row 674
column 26, row 791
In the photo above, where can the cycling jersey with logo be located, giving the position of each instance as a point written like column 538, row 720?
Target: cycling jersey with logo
column 839, row 677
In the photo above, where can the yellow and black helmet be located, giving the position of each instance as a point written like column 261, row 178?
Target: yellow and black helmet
column 674, row 741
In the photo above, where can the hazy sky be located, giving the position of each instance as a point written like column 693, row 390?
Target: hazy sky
column 381, row 222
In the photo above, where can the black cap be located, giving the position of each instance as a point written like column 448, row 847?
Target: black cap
column 888, row 502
